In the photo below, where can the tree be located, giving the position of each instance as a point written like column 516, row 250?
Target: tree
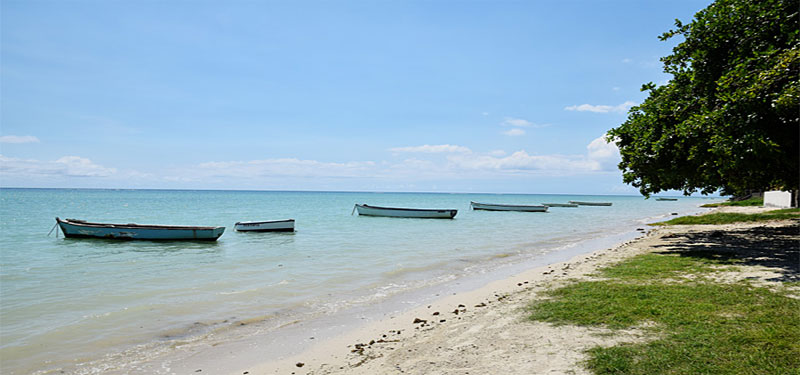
column 729, row 119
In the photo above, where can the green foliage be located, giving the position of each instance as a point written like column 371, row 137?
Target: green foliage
column 698, row 327
column 732, row 217
column 746, row 202
column 728, row 119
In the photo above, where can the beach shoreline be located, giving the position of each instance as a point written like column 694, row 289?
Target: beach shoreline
column 479, row 331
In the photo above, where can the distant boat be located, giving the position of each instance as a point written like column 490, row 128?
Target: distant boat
column 73, row 228
column 590, row 203
column 418, row 213
column 666, row 199
column 560, row 204
column 265, row 226
column 507, row 207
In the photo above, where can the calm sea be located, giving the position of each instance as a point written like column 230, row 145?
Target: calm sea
column 95, row 306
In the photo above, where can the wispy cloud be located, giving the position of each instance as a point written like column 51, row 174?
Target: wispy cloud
column 285, row 167
column 510, row 121
column 425, row 163
column 521, row 161
column 431, row 149
column 71, row 166
column 516, row 132
column 624, row 107
column 600, row 157
column 18, row 139
column 521, row 123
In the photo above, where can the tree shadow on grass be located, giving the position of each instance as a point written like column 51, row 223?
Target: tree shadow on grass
column 776, row 247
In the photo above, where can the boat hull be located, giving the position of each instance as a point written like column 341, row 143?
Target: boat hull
column 412, row 213
column 560, row 204
column 81, row 229
column 265, row 226
column 590, row 203
column 507, row 207
column 667, row 199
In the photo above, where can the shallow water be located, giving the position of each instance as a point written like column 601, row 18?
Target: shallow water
column 84, row 306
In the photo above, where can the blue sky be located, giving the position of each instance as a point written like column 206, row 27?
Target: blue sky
column 458, row 96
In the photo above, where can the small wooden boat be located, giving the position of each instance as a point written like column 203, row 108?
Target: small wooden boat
column 265, row 226
column 507, row 207
column 666, row 199
column 82, row 229
column 560, row 204
column 417, row 213
column 579, row 203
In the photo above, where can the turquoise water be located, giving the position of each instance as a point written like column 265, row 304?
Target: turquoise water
column 82, row 306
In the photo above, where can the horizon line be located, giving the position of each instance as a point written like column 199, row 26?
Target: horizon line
column 343, row 191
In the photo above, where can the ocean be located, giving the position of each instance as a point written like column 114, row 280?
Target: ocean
column 102, row 306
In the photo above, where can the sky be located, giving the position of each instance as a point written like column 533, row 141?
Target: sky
column 429, row 96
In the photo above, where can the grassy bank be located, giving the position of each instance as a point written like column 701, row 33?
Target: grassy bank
column 729, row 217
column 696, row 324
column 747, row 202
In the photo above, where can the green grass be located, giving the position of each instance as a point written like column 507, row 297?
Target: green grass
column 732, row 217
column 698, row 327
column 645, row 266
column 746, row 202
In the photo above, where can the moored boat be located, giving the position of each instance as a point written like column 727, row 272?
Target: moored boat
column 265, row 226
column 507, row 207
column 579, row 203
column 560, row 204
column 417, row 213
column 73, row 228
column 666, row 199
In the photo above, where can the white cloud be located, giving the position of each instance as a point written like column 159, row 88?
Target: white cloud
column 522, row 161
column 604, row 154
column 521, row 123
column 71, row 166
column 627, row 61
column 18, row 139
column 286, row 167
column 430, row 162
column 517, row 122
column 600, row 157
column 599, row 149
column 514, row 132
column 601, row 108
column 431, row 149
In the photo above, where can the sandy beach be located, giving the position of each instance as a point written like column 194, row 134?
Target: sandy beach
column 486, row 331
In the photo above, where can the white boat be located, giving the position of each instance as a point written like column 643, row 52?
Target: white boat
column 507, row 207
column 265, row 226
column 560, row 204
column 579, row 203
column 418, row 213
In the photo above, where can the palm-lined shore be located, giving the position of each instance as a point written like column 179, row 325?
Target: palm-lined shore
column 538, row 321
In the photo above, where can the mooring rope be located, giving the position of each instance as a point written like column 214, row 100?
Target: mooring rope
column 51, row 230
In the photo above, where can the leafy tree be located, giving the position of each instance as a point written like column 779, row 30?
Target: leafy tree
column 729, row 117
